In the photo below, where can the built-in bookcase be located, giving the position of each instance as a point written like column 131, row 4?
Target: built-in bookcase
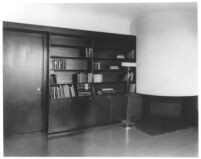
column 78, row 68
column 70, row 64
column 109, row 53
column 86, row 79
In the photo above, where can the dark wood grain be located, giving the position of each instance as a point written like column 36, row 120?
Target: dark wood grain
column 60, row 115
column 117, row 105
column 82, row 112
column 101, row 110
column 22, row 75
column 69, row 41
column 112, row 42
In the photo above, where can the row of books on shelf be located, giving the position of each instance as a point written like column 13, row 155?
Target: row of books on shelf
column 82, row 77
column 58, row 64
column 68, row 91
column 62, row 91
column 99, row 65
column 88, row 77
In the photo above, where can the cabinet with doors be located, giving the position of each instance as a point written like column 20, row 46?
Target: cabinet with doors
column 82, row 81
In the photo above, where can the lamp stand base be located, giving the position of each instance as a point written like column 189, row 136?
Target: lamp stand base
column 127, row 124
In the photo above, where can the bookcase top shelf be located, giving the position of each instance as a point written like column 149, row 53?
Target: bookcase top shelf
column 69, row 45
column 65, row 57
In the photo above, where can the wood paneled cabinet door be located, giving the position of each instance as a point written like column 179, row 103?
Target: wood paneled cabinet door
column 82, row 112
column 60, row 115
column 101, row 110
column 117, row 108
column 22, row 81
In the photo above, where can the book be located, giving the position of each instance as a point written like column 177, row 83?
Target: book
column 53, row 79
column 58, row 64
column 88, row 52
column 82, row 77
column 97, row 78
column 97, row 65
column 62, row 91
column 101, row 91
column 84, row 89
column 120, row 56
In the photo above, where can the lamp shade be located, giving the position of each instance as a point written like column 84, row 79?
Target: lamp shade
column 128, row 64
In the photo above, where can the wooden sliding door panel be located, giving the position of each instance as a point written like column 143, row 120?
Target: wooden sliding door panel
column 22, row 81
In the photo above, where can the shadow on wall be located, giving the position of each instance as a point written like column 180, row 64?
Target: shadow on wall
column 133, row 27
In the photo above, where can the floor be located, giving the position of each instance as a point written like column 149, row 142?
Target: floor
column 111, row 140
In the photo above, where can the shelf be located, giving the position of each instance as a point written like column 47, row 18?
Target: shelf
column 107, row 70
column 112, row 48
column 76, row 58
column 95, row 59
column 70, row 70
column 113, row 59
column 96, row 83
column 120, row 92
column 61, row 99
column 57, row 99
column 70, row 46
column 70, row 83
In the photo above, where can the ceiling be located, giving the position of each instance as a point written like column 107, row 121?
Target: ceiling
column 130, row 10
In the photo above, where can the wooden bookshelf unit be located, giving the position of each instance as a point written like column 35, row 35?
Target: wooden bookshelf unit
column 83, row 66
column 82, row 85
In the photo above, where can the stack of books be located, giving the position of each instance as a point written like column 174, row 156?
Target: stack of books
column 97, row 78
column 84, row 89
column 97, row 65
column 101, row 91
column 62, row 91
column 88, row 52
column 82, row 77
column 58, row 64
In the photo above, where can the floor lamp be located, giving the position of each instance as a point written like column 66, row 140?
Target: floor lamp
column 126, row 123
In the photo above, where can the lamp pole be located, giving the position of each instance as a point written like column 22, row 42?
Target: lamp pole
column 126, row 123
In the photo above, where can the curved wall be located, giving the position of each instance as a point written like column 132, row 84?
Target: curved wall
column 167, row 59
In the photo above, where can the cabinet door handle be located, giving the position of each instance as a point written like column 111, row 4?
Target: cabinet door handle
column 38, row 89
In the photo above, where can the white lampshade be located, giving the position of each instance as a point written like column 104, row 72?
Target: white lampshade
column 128, row 64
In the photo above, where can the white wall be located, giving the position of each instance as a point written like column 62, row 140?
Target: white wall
column 74, row 16
column 167, row 58
column 166, row 40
